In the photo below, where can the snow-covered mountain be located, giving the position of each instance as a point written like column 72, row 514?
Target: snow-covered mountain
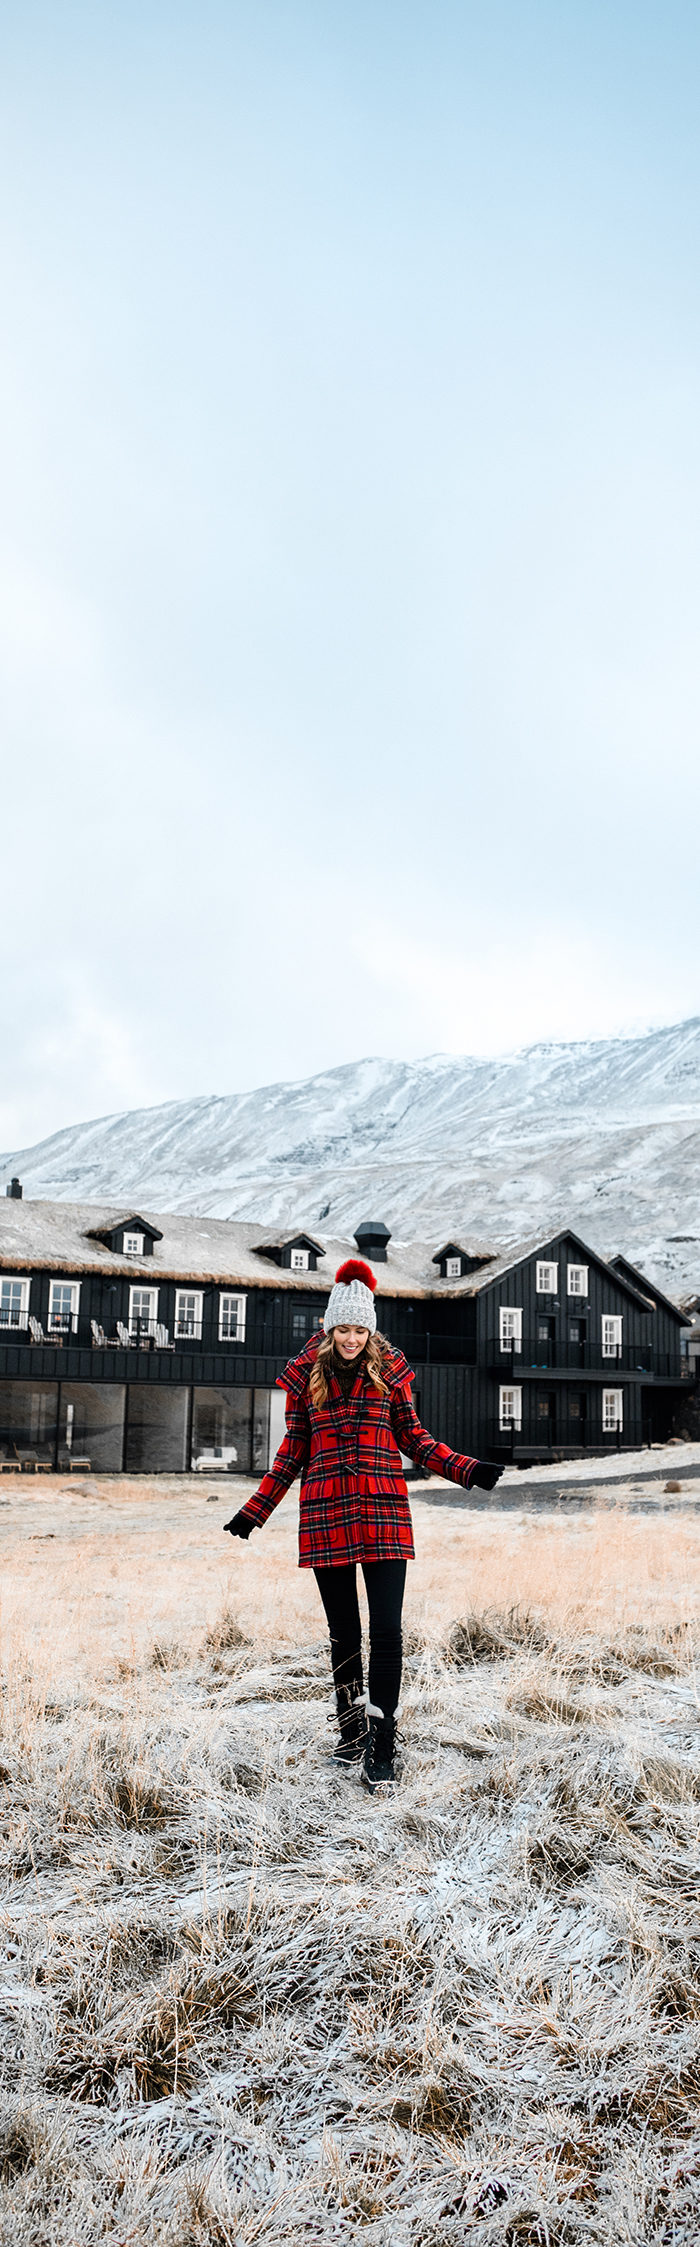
column 605, row 1136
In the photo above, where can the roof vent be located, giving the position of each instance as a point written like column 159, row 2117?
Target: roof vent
column 14, row 1190
column 372, row 1238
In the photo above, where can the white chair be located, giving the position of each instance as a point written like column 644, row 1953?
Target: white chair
column 124, row 1335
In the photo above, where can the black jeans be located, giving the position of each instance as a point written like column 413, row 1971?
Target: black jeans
column 385, row 1581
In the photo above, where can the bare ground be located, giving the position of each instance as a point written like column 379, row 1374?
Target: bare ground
column 242, row 2001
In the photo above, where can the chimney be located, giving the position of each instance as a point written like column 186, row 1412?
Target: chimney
column 372, row 1239
column 14, row 1190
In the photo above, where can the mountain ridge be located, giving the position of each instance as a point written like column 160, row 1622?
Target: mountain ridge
column 603, row 1134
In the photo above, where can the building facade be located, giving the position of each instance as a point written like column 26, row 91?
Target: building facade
column 142, row 1344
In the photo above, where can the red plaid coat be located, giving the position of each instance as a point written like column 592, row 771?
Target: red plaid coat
column 353, row 1502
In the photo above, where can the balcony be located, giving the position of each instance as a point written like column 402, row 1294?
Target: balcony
column 547, row 1356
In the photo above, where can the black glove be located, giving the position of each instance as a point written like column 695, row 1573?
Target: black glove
column 485, row 1477
column 240, row 1524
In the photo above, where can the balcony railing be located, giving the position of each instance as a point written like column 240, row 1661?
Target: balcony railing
column 564, row 1434
column 537, row 1355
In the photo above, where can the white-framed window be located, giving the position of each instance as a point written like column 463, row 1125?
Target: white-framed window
column 510, row 1328
column 64, row 1299
column 188, row 1314
column 143, row 1310
column 612, row 1336
column 14, row 1302
column 577, row 1279
column 510, row 1408
column 133, row 1244
column 612, row 1411
column 299, row 1260
column 232, row 1318
column 547, row 1279
column 453, row 1268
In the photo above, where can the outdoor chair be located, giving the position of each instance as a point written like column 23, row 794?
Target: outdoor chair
column 33, row 1462
column 163, row 1341
column 37, row 1333
column 99, row 1341
column 70, row 1460
column 124, row 1335
column 8, row 1465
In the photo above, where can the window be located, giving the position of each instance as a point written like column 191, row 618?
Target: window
column 453, row 1268
column 14, row 1302
column 232, row 1318
column 510, row 1324
column 612, row 1411
column 188, row 1315
column 143, row 1310
column 133, row 1244
column 612, row 1337
column 304, row 1324
column 510, row 1408
column 577, row 1279
column 299, row 1260
column 63, row 1306
column 547, row 1280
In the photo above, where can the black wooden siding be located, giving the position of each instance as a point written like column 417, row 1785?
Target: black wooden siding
column 452, row 1342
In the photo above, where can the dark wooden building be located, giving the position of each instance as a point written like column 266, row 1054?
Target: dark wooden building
column 145, row 1344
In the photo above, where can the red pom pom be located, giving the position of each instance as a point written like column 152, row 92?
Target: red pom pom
column 356, row 1270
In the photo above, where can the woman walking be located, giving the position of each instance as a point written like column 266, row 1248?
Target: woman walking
column 349, row 1417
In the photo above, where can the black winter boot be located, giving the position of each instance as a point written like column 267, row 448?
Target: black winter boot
column 352, row 1719
column 380, row 1753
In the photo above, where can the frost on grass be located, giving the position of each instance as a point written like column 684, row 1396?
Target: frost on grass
column 243, row 2002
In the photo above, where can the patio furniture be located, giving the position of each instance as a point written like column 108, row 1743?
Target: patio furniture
column 37, row 1333
column 70, row 1460
column 123, row 1335
column 163, row 1341
column 33, row 1462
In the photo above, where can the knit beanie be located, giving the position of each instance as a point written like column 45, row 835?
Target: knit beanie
column 350, row 1302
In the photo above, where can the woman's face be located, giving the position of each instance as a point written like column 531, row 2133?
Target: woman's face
column 349, row 1341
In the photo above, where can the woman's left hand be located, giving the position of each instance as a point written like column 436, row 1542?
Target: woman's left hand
column 484, row 1476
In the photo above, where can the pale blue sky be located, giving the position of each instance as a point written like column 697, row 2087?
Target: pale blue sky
column 349, row 540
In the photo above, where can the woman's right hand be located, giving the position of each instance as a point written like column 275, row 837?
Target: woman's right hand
column 240, row 1524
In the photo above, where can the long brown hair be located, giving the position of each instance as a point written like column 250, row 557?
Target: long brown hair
column 373, row 1361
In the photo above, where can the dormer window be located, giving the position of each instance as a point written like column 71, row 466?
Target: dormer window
column 127, row 1236
column 453, row 1267
column 298, row 1253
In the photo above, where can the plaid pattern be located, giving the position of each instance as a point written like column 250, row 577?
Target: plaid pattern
column 353, row 1501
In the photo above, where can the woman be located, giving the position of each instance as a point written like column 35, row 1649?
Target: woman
column 349, row 1417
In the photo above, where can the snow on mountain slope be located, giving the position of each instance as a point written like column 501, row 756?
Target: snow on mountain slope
column 603, row 1135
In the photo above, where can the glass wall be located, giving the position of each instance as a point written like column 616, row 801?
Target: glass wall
column 28, row 1420
column 222, row 1430
column 91, row 1426
column 156, row 1430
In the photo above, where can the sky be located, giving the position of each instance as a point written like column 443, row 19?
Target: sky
column 349, row 536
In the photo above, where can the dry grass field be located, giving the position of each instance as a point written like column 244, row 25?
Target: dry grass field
column 243, row 2001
